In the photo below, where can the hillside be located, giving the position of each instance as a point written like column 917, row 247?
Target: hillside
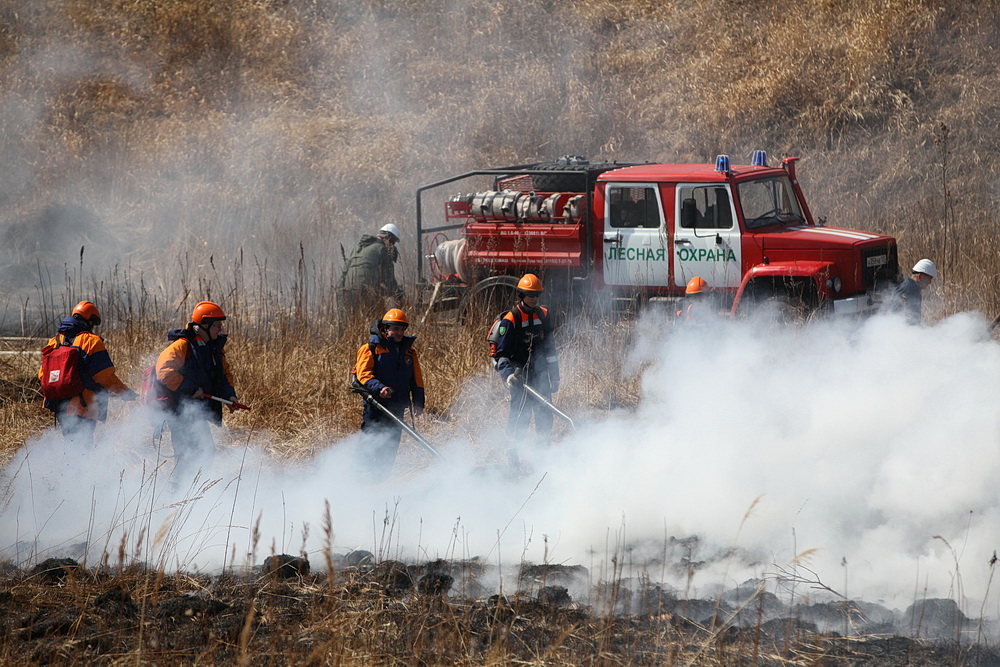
column 182, row 141
column 160, row 152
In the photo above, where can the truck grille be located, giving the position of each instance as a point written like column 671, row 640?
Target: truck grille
column 878, row 265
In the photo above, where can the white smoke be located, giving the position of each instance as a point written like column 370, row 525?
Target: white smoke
column 867, row 450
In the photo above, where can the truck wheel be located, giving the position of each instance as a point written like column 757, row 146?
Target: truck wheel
column 488, row 298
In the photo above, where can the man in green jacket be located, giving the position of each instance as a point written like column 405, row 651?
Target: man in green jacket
column 369, row 278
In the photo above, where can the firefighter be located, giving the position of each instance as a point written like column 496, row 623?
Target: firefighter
column 697, row 296
column 907, row 297
column 388, row 368
column 192, row 368
column 526, row 354
column 77, row 417
column 369, row 274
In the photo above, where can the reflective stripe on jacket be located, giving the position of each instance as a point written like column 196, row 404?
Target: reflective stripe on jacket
column 382, row 363
column 526, row 340
column 190, row 363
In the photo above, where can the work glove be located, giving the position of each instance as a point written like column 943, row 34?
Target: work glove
column 514, row 380
column 128, row 395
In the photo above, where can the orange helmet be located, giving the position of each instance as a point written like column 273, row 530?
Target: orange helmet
column 87, row 311
column 696, row 285
column 395, row 316
column 207, row 310
column 529, row 282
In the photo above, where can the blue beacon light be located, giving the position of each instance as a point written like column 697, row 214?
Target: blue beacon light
column 722, row 164
column 759, row 159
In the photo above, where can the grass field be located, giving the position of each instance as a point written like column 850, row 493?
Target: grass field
column 158, row 153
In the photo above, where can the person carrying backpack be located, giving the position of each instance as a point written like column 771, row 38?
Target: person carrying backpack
column 369, row 275
column 188, row 373
column 388, row 368
column 525, row 353
column 77, row 376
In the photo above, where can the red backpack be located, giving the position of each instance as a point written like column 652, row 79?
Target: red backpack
column 152, row 391
column 61, row 374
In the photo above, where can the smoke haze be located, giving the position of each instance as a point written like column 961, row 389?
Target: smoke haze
column 862, row 455
column 166, row 140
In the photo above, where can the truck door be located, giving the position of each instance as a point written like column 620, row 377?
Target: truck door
column 635, row 239
column 706, row 236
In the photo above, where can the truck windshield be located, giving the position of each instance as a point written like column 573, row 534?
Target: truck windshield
column 768, row 201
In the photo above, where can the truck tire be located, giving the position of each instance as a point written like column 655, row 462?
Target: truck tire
column 567, row 182
column 487, row 298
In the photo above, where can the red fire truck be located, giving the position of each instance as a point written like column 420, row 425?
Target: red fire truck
column 641, row 231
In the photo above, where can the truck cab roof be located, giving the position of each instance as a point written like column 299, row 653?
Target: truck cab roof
column 654, row 173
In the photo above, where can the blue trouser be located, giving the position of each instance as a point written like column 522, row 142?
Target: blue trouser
column 191, row 439
column 523, row 406
column 387, row 434
column 76, row 430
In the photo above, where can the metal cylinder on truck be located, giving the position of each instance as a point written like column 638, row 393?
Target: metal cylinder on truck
column 449, row 258
column 509, row 205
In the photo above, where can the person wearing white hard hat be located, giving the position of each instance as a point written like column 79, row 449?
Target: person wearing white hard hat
column 389, row 231
column 906, row 298
column 369, row 277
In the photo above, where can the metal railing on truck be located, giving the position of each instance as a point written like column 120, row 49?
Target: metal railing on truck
column 516, row 170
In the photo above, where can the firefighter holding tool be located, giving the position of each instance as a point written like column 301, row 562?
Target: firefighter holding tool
column 388, row 370
column 524, row 353
column 189, row 374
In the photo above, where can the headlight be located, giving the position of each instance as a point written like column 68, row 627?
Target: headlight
column 834, row 284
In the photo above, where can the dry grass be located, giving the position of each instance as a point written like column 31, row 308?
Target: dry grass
column 160, row 152
column 360, row 617
column 295, row 372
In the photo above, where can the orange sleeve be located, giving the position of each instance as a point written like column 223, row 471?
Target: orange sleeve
column 170, row 362
column 93, row 347
column 418, row 375
column 109, row 380
column 364, row 367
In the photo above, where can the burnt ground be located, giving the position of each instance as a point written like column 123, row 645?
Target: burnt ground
column 358, row 612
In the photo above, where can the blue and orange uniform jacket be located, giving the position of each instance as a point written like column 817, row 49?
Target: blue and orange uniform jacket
column 382, row 363
column 96, row 369
column 526, row 340
column 190, row 362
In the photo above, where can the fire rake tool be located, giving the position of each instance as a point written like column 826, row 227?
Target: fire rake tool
column 547, row 403
column 233, row 404
column 370, row 400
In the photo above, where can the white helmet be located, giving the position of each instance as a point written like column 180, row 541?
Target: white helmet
column 925, row 266
column 389, row 229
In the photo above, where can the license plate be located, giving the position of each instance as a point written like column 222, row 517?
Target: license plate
column 876, row 260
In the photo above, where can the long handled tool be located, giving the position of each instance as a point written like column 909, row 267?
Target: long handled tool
column 233, row 404
column 547, row 403
column 370, row 400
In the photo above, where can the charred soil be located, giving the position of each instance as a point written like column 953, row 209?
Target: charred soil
column 393, row 613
